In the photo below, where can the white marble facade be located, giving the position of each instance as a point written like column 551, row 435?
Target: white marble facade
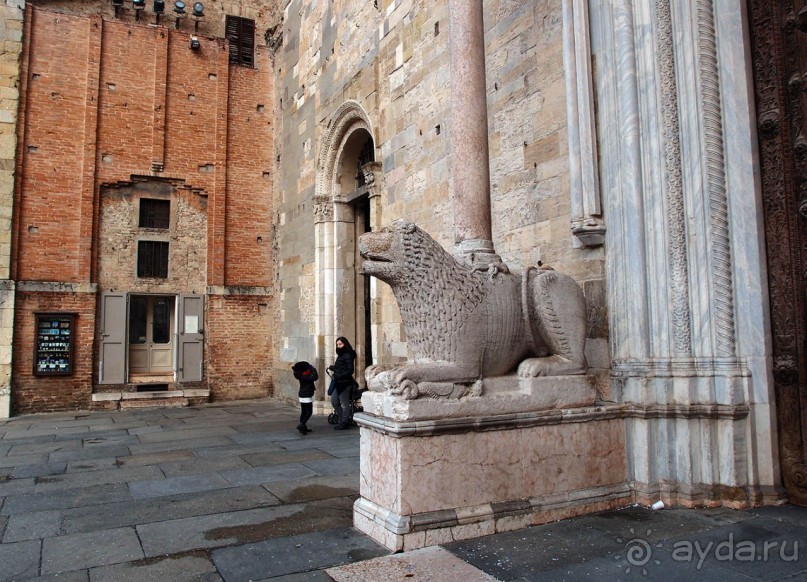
column 685, row 256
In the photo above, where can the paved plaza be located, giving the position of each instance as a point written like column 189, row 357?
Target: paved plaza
column 233, row 492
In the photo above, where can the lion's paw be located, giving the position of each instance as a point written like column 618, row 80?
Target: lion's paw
column 549, row 366
column 406, row 389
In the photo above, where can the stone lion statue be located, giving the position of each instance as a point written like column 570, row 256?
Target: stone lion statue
column 464, row 324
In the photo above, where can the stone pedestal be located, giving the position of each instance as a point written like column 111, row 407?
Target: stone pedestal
column 487, row 464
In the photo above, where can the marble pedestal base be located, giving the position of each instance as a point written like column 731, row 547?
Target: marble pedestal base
column 430, row 481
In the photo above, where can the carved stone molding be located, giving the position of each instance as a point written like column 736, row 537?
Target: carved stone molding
column 586, row 223
column 676, row 221
column 348, row 118
column 716, row 180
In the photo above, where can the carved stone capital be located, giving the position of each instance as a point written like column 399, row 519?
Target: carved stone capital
column 323, row 209
column 372, row 177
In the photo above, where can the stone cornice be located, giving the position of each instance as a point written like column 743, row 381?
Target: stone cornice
column 56, row 287
column 423, row 428
column 240, row 290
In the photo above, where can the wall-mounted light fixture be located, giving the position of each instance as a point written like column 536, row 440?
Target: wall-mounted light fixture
column 139, row 6
column 117, row 5
column 195, row 44
column 179, row 11
column 159, row 9
column 198, row 14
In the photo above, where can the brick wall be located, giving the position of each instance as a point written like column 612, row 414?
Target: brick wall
column 114, row 110
column 239, row 344
column 52, row 137
column 265, row 13
column 45, row 394
column 249, row 178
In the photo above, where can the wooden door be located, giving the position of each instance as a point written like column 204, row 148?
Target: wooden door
column 191, row 338
column 779, row 56
column 112, row 357
column 151, row 335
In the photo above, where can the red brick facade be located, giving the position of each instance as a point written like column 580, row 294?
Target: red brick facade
column 108, row 104
column 240, row 347
column 45, row 394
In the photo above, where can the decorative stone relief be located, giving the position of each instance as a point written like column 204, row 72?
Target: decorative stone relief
column 716, row 180
column 372, row 177
column 323, row 209
column 676, row 222
column 465, row 324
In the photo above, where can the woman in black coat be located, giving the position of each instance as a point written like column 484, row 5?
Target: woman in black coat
column 343, row 381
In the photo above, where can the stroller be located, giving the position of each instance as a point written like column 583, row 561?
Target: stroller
column 355, row 402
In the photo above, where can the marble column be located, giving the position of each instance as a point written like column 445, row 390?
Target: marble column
column 469, row 134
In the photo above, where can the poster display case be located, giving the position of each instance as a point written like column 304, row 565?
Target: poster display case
column 54, row 345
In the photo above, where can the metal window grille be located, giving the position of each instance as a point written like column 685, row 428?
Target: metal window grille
column 154, row 213
column 152, row 259
column 240, row 34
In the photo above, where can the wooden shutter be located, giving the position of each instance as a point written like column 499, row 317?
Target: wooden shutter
column 190, row 344
column 112, row 361
column 240, row 34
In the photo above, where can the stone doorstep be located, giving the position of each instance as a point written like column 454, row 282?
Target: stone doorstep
column 157, row 399
column 157, row 394
column 175, row 402
column 162, row 394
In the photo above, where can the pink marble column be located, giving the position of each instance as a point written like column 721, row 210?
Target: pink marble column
column 469, row 132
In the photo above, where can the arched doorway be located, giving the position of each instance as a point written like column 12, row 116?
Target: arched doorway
column 346, row 206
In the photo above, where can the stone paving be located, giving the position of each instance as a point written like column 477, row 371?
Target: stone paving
column 215, row 492
column 233, row 492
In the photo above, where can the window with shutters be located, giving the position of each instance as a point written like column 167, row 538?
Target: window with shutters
column 241, row 40
column 152, row 259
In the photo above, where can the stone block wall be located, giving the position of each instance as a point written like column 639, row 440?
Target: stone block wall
column 119, row 234
column 11, row 23
column 392, row 58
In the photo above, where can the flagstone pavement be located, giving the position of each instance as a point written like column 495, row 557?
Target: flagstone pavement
column 233, row 492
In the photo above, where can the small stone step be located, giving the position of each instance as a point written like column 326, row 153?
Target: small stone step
column 174, row 402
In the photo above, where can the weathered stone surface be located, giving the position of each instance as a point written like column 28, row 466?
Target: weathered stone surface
column 464, row 325
column 502, row 395
column 295, row 554
column 179, row 569
column 86, row 550
column 433, row 563
column 20, row 560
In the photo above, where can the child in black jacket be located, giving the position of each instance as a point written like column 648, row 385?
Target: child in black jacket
column 307, row 375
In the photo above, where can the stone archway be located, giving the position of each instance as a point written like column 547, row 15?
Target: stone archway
column 344, row 207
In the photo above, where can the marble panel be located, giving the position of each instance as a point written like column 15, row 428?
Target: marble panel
column 423, row 490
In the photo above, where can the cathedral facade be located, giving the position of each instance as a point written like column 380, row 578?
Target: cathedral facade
column 652, row 150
